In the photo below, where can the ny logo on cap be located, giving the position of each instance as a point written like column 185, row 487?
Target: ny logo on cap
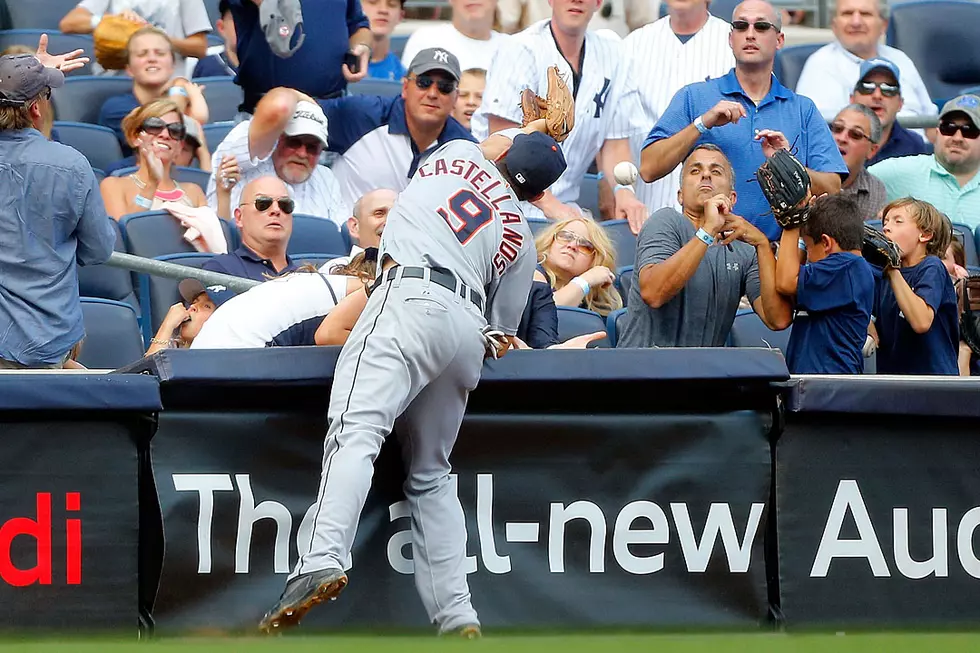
column 441, row 56
column 519, row 177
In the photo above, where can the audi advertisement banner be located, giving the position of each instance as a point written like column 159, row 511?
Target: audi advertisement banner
column 629, row 520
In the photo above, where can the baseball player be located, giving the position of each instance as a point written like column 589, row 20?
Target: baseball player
column 457, row 260
column 608, row 109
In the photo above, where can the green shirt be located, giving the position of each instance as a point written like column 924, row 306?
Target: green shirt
column 923, row 178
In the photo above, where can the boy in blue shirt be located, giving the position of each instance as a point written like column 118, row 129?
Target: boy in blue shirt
column 384, row 16
column 917, row 317
column 834, row 291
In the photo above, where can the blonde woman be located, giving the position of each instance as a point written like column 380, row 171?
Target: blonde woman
column 576, row 258
column 156, row 132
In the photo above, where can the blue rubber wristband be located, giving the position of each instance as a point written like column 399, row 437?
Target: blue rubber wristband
column 704, row 237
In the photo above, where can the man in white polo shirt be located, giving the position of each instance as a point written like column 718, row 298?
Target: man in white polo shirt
column 285, row 138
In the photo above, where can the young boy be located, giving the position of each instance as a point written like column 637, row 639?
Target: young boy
column 472, row 83
column 834, row 291
column 384, row 16
column 917, row 318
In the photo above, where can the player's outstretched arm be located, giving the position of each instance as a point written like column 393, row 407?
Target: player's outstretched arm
column 497, row 144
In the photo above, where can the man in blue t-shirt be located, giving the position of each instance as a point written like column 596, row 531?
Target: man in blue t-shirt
column 224, row 62
column 834, row 291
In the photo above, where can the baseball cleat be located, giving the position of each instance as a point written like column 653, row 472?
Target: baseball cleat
column 470, row 632
column 301, row 594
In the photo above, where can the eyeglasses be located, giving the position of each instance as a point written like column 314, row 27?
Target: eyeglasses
column 867, row 88
column 445, row 86
column 570, row 238
column 264, row 202
column 969, row 130
column 855, row 133
column 314, row 145
column 759, row 25
column 155, row 127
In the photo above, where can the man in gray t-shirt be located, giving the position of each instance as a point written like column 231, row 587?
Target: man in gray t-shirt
column 692, row 268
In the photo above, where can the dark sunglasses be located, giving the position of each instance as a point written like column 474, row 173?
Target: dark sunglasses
column 759, row 25
column 855, row 133
column 155, row 126
column 571, row 238
column 969, row 130
column 867, row 88
column 314, row 145
column 264, row 202
column 445, row 86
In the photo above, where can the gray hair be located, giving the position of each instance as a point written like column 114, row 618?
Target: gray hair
column 875, row 135
column 777, row 16
column 711, row 147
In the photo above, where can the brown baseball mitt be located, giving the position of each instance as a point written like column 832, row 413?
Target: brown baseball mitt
column 558, row 108
column 110, row 39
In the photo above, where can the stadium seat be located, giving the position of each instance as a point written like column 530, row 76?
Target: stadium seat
column 537, row 225
column 40, row 14
column 941, row 39
column 112, row 334
column 153, row 233
column 99, row 144
column 721, row 8
column 162, row 293
column 57, row 42
column 314, row 234
column 623, row 241
column 624, row 281
column 615, row 322
column 967, row 238
column 578, row 321
column 749, row 331
column 107, row 282
column 223, row 96
column 397, row 45
column 345, row 236
column 211, row 6
column 789, row 62
column 588, row 195
column 382, row 87
column 215, row 132
column 99, row 174
column 81, row 98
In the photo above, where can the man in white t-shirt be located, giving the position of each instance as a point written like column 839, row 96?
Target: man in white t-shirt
column 284, row 138
column 469, row 36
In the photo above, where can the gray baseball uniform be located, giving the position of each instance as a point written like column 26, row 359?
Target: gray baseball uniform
column 414, row 355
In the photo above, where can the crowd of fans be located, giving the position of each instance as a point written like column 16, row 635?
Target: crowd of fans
column 690, row 98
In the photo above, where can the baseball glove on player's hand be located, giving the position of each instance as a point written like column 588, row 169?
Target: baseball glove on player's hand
column 558, row 108
column 494, row 341
column 786, row 185
column 110, row 38
column 970, row 316
column 878, row 250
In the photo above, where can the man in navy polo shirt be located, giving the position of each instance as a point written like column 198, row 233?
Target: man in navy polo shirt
column 383, row 140
column 265, row 221
column 749, row 115
column 286, row 57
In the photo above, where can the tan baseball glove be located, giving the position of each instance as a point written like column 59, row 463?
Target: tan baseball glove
column 558, row 108
column 110, row 39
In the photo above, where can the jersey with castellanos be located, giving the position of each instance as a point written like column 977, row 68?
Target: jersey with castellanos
column 458, row 213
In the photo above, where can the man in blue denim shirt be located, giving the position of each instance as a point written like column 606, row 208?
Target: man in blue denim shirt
column 51, row 218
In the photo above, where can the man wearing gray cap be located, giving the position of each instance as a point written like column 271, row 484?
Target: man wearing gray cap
column 949, row 179
column 382, row 141
column 52, row 217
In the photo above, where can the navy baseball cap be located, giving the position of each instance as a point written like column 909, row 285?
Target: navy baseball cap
column 435, row 59
column 534, row 162
column 878, row 63
column 23, row 78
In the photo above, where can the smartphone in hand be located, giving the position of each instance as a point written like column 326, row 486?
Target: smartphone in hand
column 353, row 62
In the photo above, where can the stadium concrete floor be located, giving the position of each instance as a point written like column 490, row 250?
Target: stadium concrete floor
column 571, row 643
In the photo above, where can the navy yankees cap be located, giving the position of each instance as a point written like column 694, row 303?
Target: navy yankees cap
column 435, row 59
column 534, row 162
column 23, row 78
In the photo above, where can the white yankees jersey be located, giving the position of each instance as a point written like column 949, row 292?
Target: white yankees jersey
column 320, row 195
column 459, row 214
column 607, row 102
column 662, row 66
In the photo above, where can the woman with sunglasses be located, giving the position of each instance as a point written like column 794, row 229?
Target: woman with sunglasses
column 576, row 258
column 156, row 132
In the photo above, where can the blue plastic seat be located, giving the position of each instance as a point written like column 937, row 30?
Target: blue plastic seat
column 160, row 293
column 748, row 330
column 615, row 323
column 99, row 144
column 223, row 96
column 398, row 42
column 967, row 237
column 215, row 132
column 588, row 194
column 81, row 98
column 538, row 225
column 40, row 14
column 156, row 233
column 578, row 321
column 623, row 241
column 790, row 61
column 112, row 334
column 624, row 281
column 315, row 234
column 107, row 282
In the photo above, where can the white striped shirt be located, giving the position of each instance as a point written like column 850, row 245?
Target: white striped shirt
column 319, row 195
column 607, row 102
column 286, row 310
column 663, row 65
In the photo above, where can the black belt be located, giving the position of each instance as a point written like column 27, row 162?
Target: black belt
column 438, row 276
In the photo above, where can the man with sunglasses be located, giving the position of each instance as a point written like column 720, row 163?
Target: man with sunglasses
column 748, row 114
column 879, row 89
column 831, row 72
column 949, row 179
column 52, row 218
column 857, row 132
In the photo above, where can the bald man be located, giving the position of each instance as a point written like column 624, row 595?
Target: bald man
column 367, row 223
column 749, row 115
column 264, row 219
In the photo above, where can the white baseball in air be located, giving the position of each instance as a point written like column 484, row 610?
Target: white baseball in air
column 625, row 173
